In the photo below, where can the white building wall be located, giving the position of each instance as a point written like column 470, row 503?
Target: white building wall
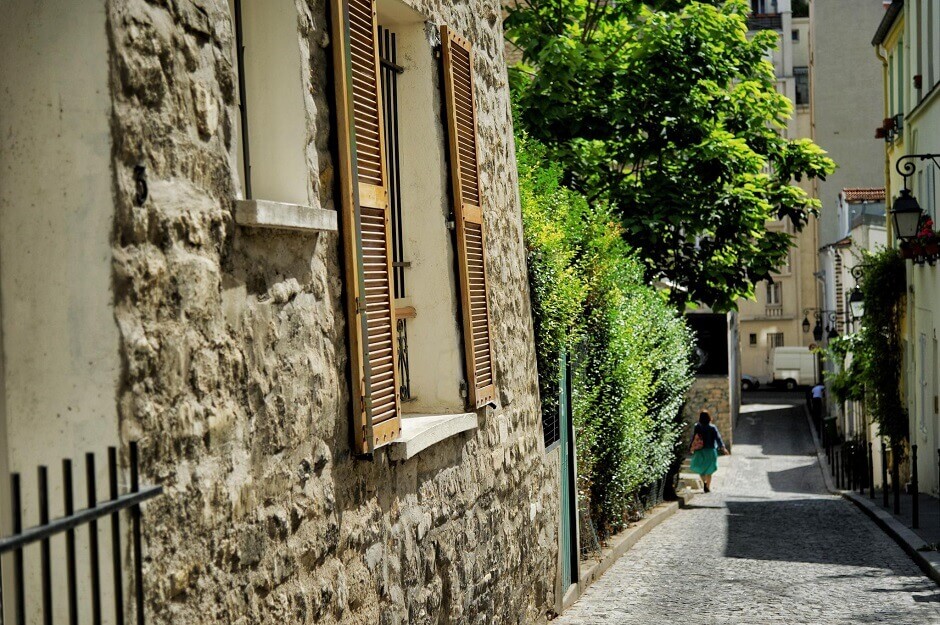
column 60, row 363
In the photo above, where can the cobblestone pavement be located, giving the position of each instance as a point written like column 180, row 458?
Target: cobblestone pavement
column 768, row 545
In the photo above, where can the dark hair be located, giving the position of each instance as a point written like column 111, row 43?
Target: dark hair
column 704, row 418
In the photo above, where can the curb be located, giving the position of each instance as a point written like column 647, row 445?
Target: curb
column 625, row 541
column 911, row 543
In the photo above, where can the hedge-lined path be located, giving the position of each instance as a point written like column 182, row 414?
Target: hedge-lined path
column 769, row 545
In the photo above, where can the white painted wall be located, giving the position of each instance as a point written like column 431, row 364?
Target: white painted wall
column 60, row 363
column 435, row 346
column 275, row 102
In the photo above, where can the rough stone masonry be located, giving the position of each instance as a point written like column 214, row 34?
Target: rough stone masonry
column 234, row 365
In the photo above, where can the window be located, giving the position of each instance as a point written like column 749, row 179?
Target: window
column 774, row 293
column 801, row 76
column 892, row 107
column 795, row 34
column 271, row 152
column 931, row 42
column 405, row 305
column 919, row 24
column 901, row 76
column 752, row 339
column 763, row 6
column 774, row 339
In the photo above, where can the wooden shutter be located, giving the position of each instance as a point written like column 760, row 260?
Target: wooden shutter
column 373, row 349
column 468, row 213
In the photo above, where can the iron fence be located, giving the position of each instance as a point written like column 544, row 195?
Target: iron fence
column 67, row 527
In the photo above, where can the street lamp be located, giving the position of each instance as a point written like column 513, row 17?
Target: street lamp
column 906, row 214
column 857, row 303
column 820, row 314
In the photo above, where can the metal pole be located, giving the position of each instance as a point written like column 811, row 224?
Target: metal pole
column 896, row 478
column 915, row 494
column 861, row 466
column 871, row 472
column 884, row 474
column 839, row 472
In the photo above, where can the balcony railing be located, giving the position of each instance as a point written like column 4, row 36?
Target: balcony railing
column 773, row 311
column 765, row 21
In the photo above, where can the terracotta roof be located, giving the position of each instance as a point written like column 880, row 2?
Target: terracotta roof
column 864, row 194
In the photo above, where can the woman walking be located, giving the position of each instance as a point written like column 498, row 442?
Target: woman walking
column 706, row 443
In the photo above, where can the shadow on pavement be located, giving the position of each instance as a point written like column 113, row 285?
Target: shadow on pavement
column 805, row 479
column 776, row 432
column 787, row 531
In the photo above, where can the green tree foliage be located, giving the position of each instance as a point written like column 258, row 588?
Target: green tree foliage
column 630, row 349
column 868, row 363
column 671, row 117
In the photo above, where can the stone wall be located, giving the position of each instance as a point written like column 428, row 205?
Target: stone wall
column 234, row 366
column 711, row 393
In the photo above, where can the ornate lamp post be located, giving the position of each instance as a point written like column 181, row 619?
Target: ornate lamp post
column 820, row 314
column 907, row 216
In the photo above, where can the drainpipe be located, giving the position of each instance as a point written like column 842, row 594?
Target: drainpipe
column 889, row 227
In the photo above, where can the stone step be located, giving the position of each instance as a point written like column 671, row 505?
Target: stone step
column 691, row 481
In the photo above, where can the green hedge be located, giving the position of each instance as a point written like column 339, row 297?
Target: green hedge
column 630, row 350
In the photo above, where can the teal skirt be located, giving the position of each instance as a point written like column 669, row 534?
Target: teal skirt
column 704, row 461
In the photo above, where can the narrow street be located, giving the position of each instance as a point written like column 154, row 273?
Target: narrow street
column 768, row 545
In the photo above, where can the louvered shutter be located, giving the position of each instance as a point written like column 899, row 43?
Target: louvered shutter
column 366, row 226
column 468, row 213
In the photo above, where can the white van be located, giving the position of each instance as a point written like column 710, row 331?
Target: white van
column 795, row 366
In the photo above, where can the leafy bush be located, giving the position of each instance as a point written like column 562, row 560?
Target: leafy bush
column 630, row 349
column 874, row 372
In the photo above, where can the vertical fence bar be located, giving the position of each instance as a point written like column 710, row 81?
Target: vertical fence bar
column 835, row 468
column 839, row 468
column 884, row 474
column 45, row 561
column 915, row 490
column 138, row 547
column 896, row 478
column 93, row 540
column 69, row 503
column 19, row 585
column 938, row 476
column 861, row 466
column 115, row 537
column 850, row 469
column 871, row 471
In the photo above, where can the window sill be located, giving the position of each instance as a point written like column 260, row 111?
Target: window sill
column 281, row 216
column 420, row 431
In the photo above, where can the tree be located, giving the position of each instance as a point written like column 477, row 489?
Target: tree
column 671, row 116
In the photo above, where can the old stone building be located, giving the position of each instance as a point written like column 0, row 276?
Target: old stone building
column 298, row 282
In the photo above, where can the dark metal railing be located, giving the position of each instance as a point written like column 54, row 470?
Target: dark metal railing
column 389, row 72
column 765, row 21
column 66, row 525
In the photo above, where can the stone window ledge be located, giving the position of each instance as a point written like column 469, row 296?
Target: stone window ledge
column 281, row 216
column 420, row 431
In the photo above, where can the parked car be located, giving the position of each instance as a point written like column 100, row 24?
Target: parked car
column 749, row 382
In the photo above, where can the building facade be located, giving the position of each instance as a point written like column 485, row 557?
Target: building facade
column 908, row 41
column 772, row 319
column 279, row 245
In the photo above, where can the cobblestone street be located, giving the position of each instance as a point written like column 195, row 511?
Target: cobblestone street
column 768, row 545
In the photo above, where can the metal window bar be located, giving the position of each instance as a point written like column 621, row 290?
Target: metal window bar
column 389, row 71
column 49, row 530
column 242, row 96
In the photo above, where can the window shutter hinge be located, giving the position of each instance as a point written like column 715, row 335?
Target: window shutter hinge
column 463, row 388
column 451, row 224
